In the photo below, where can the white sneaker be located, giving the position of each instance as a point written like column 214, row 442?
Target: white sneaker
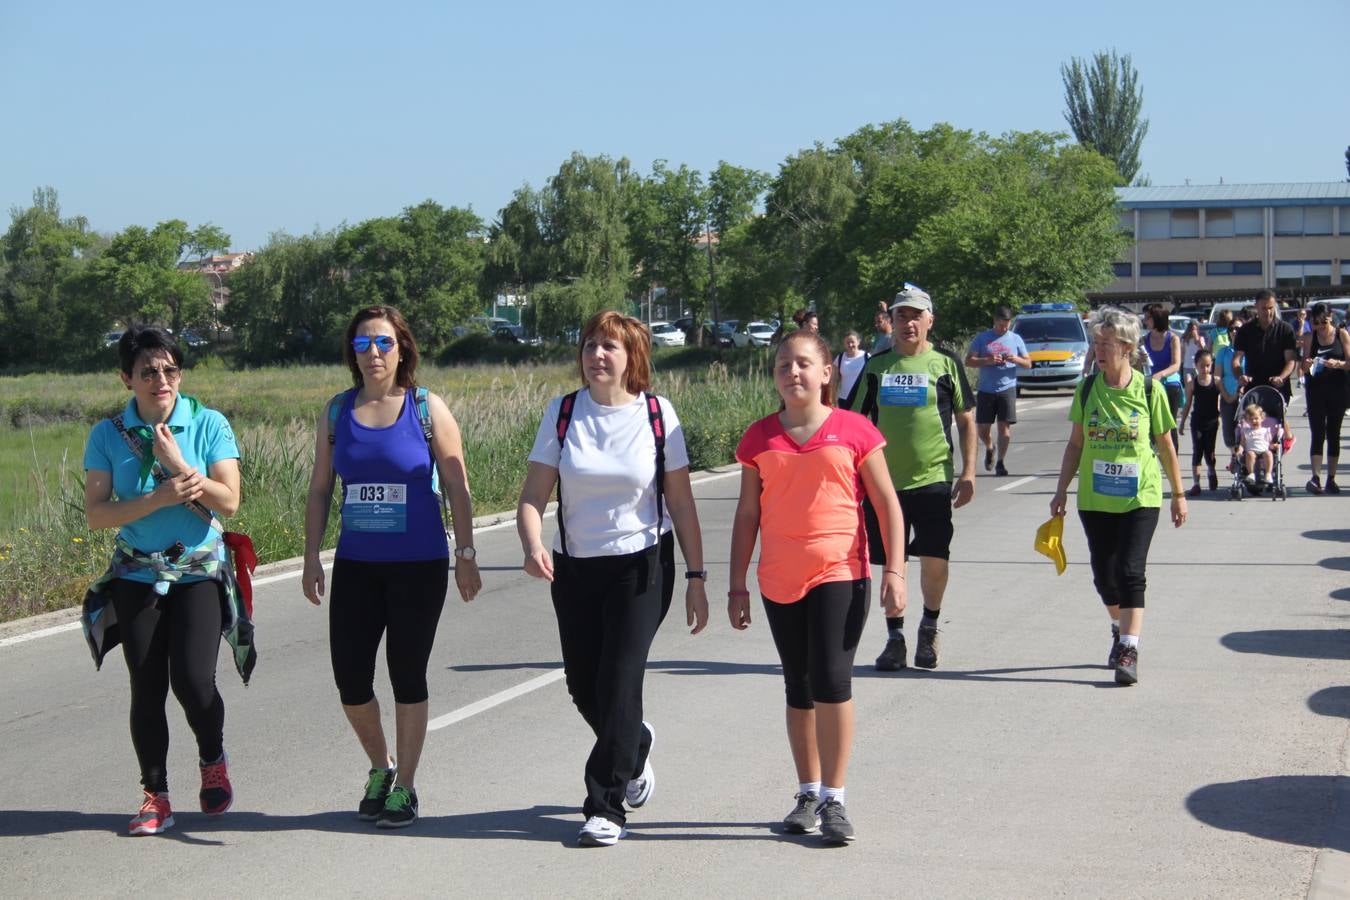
column 1268, row 479
column 1251, row 478
column 600, row 832
column 639, row 790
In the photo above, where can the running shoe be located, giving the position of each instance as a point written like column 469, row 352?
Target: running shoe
column 835, row 828
column 639, row 790
column 1314, row 486
column 1127, row 666
column 400, row 809
column 600, row 832
column 378, row 784
column 999, row 469
column 1194, row 491
column 892, row 658
column 1251, row 478
column 1267, row 478
column 926, row 654
column 216, row 795
column 1114, row 655
column 989, row 459
column 805, row 816
column 1213, row 481
column 1332, row 486
column 155, row 817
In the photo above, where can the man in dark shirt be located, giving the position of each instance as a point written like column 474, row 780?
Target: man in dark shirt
column 1264, row 348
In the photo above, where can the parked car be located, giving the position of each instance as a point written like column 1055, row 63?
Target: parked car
column 753, row 334
column 111, row 338
column 192, row 338
column 725, row 330
column 664, row 334
column 510, row 334
column 1057, row 343
column 1179, row 324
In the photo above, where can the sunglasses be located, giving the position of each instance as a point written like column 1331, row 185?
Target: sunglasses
column 151, row 374
column 384, row 342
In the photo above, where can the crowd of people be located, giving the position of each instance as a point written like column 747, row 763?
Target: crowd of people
column 856, row 472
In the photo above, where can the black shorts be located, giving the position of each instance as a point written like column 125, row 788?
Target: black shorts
column 1001, row 406
column 928, row 523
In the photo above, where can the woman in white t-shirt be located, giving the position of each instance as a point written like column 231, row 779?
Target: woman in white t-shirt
column 847, row 367
column 620, row 454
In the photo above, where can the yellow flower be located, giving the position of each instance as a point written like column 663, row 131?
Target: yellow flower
column 77, row 540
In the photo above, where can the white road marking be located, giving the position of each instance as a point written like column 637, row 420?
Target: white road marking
column 40, row 633
column 1018, row 483
column 496, row 699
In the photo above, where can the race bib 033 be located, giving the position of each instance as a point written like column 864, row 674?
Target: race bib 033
column 376, row 507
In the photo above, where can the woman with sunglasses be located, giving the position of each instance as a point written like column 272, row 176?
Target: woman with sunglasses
column 1326, row 353
column 391, row 569
column 160, row 472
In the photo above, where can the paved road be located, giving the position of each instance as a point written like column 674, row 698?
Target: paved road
column 1017, row 769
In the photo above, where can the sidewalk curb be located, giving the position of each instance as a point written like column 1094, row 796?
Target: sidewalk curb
column 1331, row 870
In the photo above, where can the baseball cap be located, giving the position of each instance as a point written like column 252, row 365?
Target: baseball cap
column 912, row 297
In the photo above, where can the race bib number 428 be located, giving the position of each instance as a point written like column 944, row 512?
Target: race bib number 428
column 376, row 507
column 904, row 389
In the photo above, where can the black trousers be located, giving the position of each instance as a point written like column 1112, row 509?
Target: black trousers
column 170, row 641
column 1326, row 411
column 817, row 638
column 1118, row 547
column 371, row 599
column 1203, row 438
column 609, row 609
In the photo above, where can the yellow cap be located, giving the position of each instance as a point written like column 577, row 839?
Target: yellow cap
column 1050, row 542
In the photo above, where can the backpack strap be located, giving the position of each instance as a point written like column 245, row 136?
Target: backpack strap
column 335, row 410
column 564, row 422
column 424, row 412
column 657, row 421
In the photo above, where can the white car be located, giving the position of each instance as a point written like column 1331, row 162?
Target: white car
column 754, row 334
column 665, row 334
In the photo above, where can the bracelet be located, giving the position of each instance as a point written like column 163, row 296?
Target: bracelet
column 900, row 575
column 731, row 594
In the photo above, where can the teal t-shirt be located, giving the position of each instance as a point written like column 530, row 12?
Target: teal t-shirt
column 205, row 439
column 1119, row 470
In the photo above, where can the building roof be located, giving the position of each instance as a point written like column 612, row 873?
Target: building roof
column 1309, row 193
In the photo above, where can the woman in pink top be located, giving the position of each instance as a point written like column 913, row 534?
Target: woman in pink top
column 804, row 471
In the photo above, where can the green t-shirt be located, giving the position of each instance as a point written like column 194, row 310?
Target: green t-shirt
column 1119, row 470
column 911, row 399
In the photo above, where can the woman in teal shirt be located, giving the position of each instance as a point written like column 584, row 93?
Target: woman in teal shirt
column 161, row 472
column 1118, row 419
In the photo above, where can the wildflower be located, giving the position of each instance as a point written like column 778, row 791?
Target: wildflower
column 77, row 540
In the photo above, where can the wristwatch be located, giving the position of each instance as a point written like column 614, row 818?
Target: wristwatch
column 465, row 553
column 696, row 573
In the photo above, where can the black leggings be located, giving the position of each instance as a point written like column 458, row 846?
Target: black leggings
column 1174, row 395
column 170, row 641
column 609, row 609
column 1326, row 410
column 1118, row 547
column 369, row 598
column 1203, row 437
column 817, row 637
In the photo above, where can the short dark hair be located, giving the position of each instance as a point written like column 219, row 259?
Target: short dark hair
column 1003, row 314
column 1264, row 294
column 140, row 339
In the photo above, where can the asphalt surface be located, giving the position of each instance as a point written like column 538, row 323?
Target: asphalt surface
column 1016, row 769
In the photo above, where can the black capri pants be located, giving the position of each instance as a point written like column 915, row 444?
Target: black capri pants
column 170, row 641
column 369, row 598
column 1326, row 411
column 1203, row 438
column 817, row 638
column 1118, row 547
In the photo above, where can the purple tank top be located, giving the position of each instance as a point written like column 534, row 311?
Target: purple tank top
column 389, row 512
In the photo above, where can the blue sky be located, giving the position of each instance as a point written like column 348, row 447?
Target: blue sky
column 266, row 116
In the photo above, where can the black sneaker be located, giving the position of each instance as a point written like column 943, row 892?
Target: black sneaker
column 1115, row 649
column 1127, row 665
column 1332, row 486
column 400, row 809
column 1194, row 491
column 378, row 784
column 835, row 828
column 805, row 816
column 989, row 459
column 892, row 658
column 1213, row 481
column 1314, row 486
column 999, row 469
column 926, row 654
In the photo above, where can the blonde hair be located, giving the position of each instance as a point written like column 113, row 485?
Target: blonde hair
column 1124, row 327
column 1254, row 408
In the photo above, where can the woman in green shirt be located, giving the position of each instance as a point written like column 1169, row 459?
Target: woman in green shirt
column 1118, row 419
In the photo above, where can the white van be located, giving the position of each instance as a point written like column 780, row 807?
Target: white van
column 1233, row 306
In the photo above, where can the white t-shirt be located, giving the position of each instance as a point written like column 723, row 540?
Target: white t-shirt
column 608, row 474
column 849, row 370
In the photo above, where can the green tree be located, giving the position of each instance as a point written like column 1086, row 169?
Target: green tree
column 40, row 254
column 1102, row 100
column 427, row 261
column 733, row 193
column 287, row 303
column 667, row 213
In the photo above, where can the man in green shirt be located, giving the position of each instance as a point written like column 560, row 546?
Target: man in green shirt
column 912, row 393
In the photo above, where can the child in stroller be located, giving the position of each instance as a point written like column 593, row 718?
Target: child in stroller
column 1261, row 434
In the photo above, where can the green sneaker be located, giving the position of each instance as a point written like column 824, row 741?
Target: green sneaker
column 400, row 809
column 378, row 784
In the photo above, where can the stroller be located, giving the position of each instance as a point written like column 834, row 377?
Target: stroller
column 1272, row 401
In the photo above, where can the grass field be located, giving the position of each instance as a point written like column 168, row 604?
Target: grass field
column 48, row 555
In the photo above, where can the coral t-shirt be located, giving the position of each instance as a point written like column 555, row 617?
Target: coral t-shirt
column 810, row 504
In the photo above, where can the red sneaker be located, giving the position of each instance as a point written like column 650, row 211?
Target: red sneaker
column 216, row 795
column 155, row 816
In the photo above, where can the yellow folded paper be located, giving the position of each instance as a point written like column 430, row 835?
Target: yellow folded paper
column 1050, row 542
